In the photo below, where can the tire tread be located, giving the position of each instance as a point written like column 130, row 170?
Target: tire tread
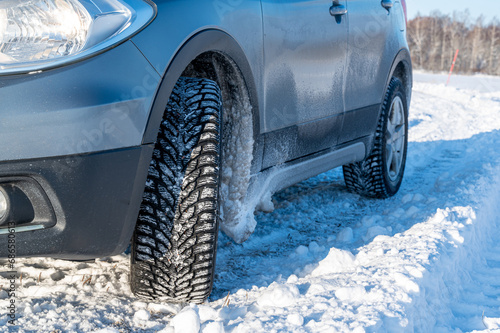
column 174, row 247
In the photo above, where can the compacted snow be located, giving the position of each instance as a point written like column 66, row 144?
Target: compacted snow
column 326, row 260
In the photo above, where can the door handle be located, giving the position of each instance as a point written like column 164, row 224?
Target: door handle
column 337, row 9
column 387, row 4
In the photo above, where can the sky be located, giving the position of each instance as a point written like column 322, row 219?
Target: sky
column 489, row 8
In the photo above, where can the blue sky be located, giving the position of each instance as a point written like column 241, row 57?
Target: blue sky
column 489, row 8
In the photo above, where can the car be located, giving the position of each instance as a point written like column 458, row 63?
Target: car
column 154, row 123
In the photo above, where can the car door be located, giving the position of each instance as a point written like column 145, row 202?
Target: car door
column 305, row 49
column 370, row 56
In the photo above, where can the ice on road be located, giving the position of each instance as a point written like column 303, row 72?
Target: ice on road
column 326, row 260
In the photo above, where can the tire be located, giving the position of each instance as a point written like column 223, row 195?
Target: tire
column 380, row 175
column 175, row 240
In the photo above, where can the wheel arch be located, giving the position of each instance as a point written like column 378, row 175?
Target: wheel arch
column 211, row 54
column 402, row 69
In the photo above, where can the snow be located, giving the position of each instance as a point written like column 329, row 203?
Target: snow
column 326, row 260
column 237, row 208
column 337, row 261
column 142, row 315
column 278, row 295
column 187, row 321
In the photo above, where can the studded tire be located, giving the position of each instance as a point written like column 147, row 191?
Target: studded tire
column 175, row 241
column 380, row 175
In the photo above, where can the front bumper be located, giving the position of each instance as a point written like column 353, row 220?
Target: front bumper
column 76, row 135
column 94, row 199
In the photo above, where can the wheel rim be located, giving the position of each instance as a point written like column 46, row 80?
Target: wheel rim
column 395, row 139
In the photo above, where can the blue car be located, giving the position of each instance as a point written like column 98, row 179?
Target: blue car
column 154, row 123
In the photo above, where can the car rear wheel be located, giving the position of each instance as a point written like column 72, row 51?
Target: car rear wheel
column 175, row 241
column 380, row 175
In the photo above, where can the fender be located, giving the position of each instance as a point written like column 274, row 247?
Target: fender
column 401, row 67
column 210, row 40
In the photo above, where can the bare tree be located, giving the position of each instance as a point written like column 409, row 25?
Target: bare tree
column 434, row 39
column 493, row 43
column 476, row 44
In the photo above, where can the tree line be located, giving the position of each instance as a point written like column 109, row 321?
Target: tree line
column 434, row 39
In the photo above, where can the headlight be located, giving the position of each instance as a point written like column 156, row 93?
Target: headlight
column 40, row 34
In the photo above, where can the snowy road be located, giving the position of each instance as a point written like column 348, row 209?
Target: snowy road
column 426, row 260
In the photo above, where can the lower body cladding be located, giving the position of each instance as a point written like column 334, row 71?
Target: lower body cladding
column 76, row 207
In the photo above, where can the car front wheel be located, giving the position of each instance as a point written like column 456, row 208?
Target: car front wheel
column 175, row 241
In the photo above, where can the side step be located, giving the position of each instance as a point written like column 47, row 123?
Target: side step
column 287, row 174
